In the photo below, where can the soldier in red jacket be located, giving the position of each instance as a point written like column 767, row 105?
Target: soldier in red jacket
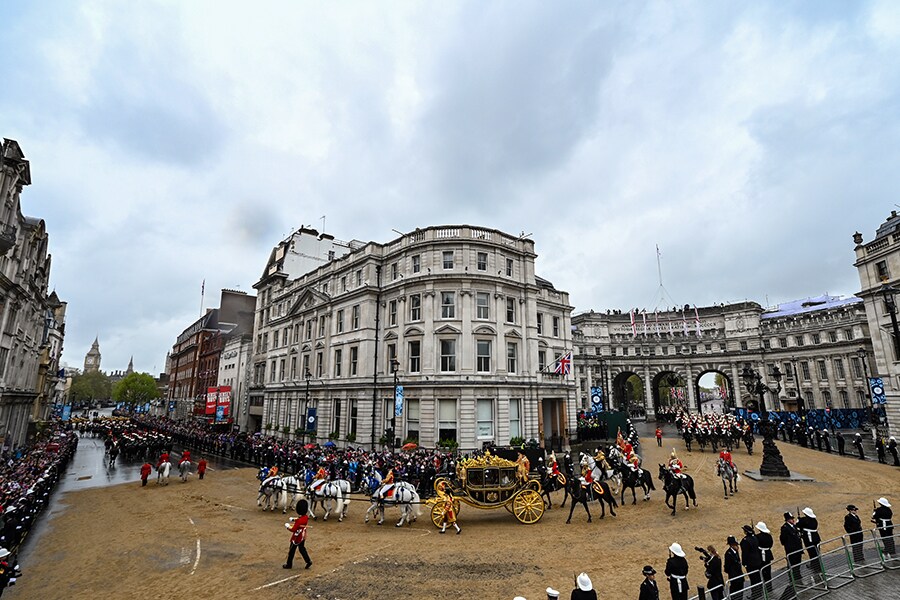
column 164, row 457
column 298, row 535
column 201, row 467
column 145, row 473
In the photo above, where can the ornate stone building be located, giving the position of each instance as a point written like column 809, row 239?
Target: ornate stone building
column 453, row 314
column 92, row 357
column 878, row 264
column 32, row 323
column 659, row 358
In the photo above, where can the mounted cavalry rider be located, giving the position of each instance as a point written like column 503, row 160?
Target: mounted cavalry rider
column 554, row 466
column 319, row 480
column 725, row 455
column 164, row 457
column 634, row 462
column 675, row 465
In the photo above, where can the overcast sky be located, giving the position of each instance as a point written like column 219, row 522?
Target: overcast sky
column 172, row 142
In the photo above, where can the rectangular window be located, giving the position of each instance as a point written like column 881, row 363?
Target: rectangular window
column 392, row 312
column 415, row 358
column 416, row 263
column 354, row 360
column 881, row 270
column 788, row 371
column 359, row 278
column 412, row 420
column 321, row 326
column 512, row 356
column 293, row 367
column 390, row 357
column 861, row 398
column 509, row 267
column 804, row 371
column 823, row 372
column 483, row 356
column 816, row 338
column 485, row 418
column 448, row 356
column 799, row 340
column 845, row 399
column 446, row 419
column 482, row 305
column 744, row 346
column 284, row 336
column 515, row 418
column 338, row 361
column 542, row 359
column 540, row 324
column 782, row 342
column 296, row 332
column 555, row 326
column 448, row 259
column 355, row 316
column 448, row 306
column 339, row 321
column 395, row 271
column 482, row 261
column 309, row 326
column 415, row 307
column 767, row 344
column 343, row 289
column 305, row 364
column 848, row 334
column 832, row 336
column 839, row 369
column 857, row 368
column 336, row 418
column 281, row 370
column 510, row 310
column 354, row 407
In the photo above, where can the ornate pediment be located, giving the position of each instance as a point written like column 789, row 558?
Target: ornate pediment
column 308, row 299
column 447, row 329
column 484, row 330
column 513, row 333
column 413, row 331
column 390, row 335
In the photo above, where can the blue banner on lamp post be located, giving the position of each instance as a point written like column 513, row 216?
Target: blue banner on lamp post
column 876, row 387
column 398, row 402
column 597, row 399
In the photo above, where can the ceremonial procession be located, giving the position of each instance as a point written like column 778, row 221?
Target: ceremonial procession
column 509, row 300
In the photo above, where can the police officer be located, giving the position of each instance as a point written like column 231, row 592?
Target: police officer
column 809, row 528
column 751, row 557
column 676, row 572
column 764, row 538
column 853, row 526
column 892, row 448
column 793, row 545
column 857, row 441
column 734, row 570
column 649, row 589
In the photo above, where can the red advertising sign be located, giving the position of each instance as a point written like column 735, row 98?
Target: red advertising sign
column 224, row 398
column 211, row 400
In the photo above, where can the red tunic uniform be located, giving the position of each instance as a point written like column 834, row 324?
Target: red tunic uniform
column 298, row 529
column 201, row 466
column 145, row 470
column 163, row 458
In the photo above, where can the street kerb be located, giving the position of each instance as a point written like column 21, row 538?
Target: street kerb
column 837, row 564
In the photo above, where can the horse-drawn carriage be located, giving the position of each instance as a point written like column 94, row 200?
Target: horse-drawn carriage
column 489, row 482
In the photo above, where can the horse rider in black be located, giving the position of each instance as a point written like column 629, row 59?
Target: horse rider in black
column 853, row 527
column 793, row 545
column 809, row 528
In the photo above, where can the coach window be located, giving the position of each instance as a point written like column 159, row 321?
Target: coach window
column 447, row 420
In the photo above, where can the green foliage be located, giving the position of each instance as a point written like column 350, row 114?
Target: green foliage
column 269, row 426
column 333, row 435
column 90, row 386
column 298, row 431
column 351, row 437
column 411, row 439
column 532, row 443
column 517, row 441
column 384, row 440
column 286, row 430
column 135, row 389
column 448, row 444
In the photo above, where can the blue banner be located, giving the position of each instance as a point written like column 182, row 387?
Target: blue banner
column 398, row 401
column 596, row 399
column 220, row 413
column 876, row 386
column 66, row 412
column 311, row 419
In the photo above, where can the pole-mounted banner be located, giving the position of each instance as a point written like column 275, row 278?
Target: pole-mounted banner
column 876, row 386
column 398, row 401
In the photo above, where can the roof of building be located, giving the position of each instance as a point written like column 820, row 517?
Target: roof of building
column 543, row 283
column 888, row 227
column 808, row 305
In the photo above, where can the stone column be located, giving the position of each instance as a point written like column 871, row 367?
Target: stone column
column 648, row 393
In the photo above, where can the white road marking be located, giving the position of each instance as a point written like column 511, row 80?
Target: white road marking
column 198, row 557
column 268, row 585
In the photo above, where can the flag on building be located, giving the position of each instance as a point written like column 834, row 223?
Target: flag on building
column 644, row 315
column 563, row 364
column 657, row 323
column 633, row 325
column 697, row 321
column 684, row 323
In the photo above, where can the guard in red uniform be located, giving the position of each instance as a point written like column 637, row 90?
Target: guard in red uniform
column 146, row 468
column 659, row 437
column 201, row 467
column 186, row 456
column 726, row 456
column 164, row 457
column 298, row 535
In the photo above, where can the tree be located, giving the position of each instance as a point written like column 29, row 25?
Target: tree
column 88, row 387
column 136, row 389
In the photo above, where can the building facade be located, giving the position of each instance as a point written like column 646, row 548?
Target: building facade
column 454, row 315
column 878, row 265
column 234, row 373
column 32, row 323
column 643, row 361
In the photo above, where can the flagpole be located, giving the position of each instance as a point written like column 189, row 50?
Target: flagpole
column 202, row 292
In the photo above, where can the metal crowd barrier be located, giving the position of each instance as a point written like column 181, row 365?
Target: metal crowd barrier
column 837, row 563
column 872, row 562
column 781, row 586
column 887, row 548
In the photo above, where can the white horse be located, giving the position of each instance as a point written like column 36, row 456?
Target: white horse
column 162, row 473
column 602, row 472
column 325, row 493
column 184, row 469
column 404, row 496
column 290, row 492
column 270, row 489
column 729, row 477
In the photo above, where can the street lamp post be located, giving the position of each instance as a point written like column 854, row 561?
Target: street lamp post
column 870, row 410
column 772, row 464
column 395, row 368
column 800, row 401
column 306, row 375
column 888, row 291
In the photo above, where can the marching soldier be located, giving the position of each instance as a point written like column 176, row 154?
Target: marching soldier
column 882, row 517
column 853, row 526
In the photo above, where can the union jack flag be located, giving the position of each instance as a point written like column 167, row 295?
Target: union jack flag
column 563, row 364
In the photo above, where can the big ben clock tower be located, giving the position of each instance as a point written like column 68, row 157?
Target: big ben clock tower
column 92, row 358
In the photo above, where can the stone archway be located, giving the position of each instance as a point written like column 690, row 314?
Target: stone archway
column 628, row 390
column 714, row 391
column 669, row 389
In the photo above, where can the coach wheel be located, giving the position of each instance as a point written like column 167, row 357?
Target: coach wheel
column 528, row 507
column 437, row 512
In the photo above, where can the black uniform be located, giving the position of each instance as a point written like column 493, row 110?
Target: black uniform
column 892, row 448
column 765, row 550
column 751, row 558
column 676, row 571
column 879, row 448
column 793, row 547
column 735, row 574
column 853, row 526
column 840, row 442
column 857, row 441
column 715, row 583
column 809, row 529
column 882, row 517
column 649, row 590
column 826, row 437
